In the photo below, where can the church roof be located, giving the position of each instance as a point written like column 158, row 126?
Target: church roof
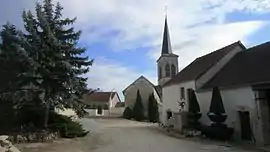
column 166, row 44
column 200, row 65
column 157, row 88
column 248, row 67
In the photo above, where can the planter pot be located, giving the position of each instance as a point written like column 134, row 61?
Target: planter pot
column 217, row 118
column 193, row 120
column 194, row 116
column 217, row 132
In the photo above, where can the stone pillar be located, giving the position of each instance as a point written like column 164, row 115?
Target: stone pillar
column 180, row 119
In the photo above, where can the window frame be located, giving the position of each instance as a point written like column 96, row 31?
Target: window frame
column 167, row 70
column 182, row 93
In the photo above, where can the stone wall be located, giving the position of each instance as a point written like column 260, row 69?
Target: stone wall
column 6, row 145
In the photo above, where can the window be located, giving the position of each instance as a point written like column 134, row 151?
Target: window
column 189, row 93
column 182, row 93
column 167, row 70
column 159, row 73
column 173, row 70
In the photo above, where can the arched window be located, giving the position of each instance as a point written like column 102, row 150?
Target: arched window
column 167, row 70
column 173, row 70
column 159, row 73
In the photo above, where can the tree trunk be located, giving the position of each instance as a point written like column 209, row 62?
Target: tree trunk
column 47, row 112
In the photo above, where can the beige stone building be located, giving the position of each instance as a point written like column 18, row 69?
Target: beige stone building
column 145, row 87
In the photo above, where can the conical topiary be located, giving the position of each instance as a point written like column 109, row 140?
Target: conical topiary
column 153, row 114
column 194, row 109
column 216, row 105
column 217, row 112
column 193, row 102
column 138, row 110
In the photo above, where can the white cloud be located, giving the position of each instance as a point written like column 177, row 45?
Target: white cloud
column 197, row 27
column 108, row 75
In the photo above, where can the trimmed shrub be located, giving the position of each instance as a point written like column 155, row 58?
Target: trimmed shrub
column 106, row 107
column 216, row 112
column 194, row 110
column 217, row 130
column 127, row 113
column 138, row 110
column 99, row 110
column 153, row 115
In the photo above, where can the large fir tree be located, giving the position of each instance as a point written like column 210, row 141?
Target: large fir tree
column 14, row 62
column 58, row 63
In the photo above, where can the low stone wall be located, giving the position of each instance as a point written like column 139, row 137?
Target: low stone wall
column 41, row 136
column 6, row 145
column 112, row 112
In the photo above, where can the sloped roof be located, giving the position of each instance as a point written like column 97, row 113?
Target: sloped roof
column 246, row 68
column 99, row 97
column 120, row 104
column 200, row 65
column 157, row 88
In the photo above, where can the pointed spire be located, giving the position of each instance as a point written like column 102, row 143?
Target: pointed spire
column 166, row 44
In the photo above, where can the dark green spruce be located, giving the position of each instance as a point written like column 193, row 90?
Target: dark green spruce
column 58, row 62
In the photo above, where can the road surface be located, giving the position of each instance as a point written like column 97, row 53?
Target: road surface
column 118, row 135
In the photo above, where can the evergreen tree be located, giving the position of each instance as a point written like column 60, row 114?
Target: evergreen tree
column 216, row 105
column 14, row 62
column 194, row 110
column 153, row 114
column 58, row 64
column 138, row 110
column 127, row 113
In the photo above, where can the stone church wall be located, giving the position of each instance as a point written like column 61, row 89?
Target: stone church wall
column 145, row 90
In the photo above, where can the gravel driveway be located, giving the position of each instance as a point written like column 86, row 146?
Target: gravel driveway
column 117, row 135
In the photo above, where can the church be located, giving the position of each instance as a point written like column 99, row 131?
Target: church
column 167, row 65
column 241, row 74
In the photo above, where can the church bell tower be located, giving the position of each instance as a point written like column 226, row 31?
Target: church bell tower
column 167, row 63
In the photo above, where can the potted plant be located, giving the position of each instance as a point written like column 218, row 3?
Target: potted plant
column 217, row 112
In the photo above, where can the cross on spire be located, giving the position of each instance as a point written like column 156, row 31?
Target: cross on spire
column 166, row 10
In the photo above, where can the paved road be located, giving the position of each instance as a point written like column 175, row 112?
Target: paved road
column 116, row 135
column 130, row 136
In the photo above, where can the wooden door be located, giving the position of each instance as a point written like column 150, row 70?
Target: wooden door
column 246, row 133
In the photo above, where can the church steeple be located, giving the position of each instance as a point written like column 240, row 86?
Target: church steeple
column 166, row 44
column 167, row 63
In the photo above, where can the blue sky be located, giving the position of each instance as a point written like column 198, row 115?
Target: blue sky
column 124, row 36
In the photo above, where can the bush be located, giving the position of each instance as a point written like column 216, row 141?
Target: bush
column 127, row 113
column 217, row 112
column 106, row 107
column 138, row 110
column 153, row 115
column 99, row 110
column 194, row 110
column 66, row 126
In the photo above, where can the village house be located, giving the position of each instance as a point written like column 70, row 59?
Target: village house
column 242, row 76
column 101, row 103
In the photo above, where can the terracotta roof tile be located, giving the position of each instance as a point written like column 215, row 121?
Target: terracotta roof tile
column 99, row 97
